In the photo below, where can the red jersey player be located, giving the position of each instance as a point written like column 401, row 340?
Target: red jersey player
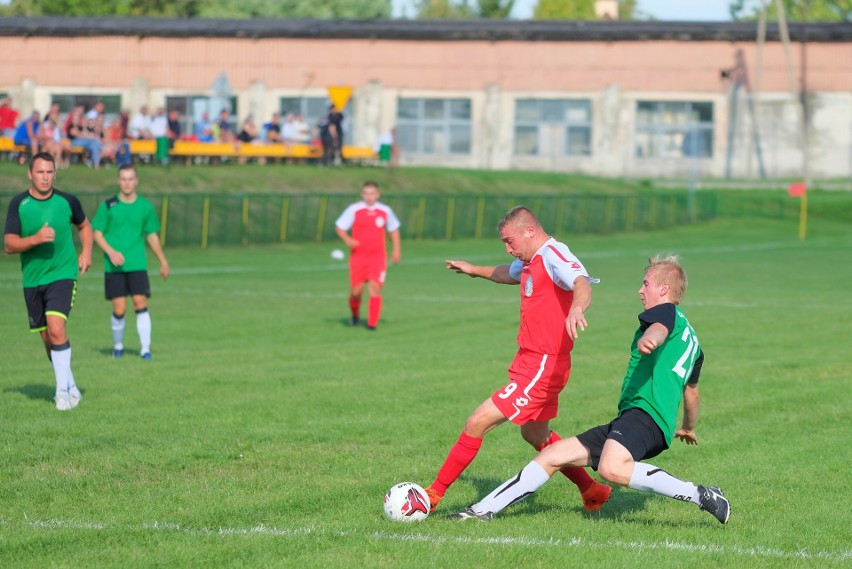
column 369, row 221
column 555, row 292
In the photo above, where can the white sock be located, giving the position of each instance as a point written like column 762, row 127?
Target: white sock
column 117, row 331
column 61, row 358
column 527, row 481
column 143, row 326
column 649, row 478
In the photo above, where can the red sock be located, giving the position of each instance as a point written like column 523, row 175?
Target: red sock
column 355, row 305
column 461, row 455
column 374, row 311
column 576, row 474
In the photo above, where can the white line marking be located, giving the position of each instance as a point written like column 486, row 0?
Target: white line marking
column 757, row 551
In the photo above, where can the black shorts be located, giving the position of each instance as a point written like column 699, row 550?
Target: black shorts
column 55, row 298
column 635, row 430
column 119, row 285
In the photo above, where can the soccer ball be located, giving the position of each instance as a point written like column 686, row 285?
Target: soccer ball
column 338, row 255
column 407, row 502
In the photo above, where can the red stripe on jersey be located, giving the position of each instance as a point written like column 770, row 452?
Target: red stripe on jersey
column 558, row 254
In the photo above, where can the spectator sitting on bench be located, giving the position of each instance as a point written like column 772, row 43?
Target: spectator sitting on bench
column 8, row 118
column 140, row 125
column 115, row 145
column 248, row 132
column 84, row 138
column 273, row 129
column 301, row 129
column 226, row 131
column 27, row 132
column 96, row 111
column 204, row 129
column 50, row 135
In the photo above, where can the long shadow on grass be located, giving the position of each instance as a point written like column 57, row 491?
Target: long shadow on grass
column 34, row 391
column 622, row 501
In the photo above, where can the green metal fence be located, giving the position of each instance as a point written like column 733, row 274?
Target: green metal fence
column 206, row 220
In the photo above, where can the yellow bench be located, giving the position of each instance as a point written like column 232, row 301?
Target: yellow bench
column 143, row 146
column 8, row 145
column 359, row 154
column 190, row 149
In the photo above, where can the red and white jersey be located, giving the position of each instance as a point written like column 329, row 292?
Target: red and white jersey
column 369, row 225
column 547, row 283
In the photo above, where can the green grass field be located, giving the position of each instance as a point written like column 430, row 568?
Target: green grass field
column 266, row 431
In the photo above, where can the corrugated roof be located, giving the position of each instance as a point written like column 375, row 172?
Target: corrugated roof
column 419, row 30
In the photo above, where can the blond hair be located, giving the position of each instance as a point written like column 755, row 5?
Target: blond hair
column 666, row 269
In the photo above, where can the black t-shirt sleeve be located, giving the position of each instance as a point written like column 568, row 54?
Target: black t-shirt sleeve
column 13, row 216
column 78, row 216
column 662, row 314
column 696, row 368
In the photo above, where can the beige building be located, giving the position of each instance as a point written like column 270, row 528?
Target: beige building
column 604, row 98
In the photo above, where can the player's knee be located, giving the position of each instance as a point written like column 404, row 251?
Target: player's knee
column 537, row 440
column 614, row 471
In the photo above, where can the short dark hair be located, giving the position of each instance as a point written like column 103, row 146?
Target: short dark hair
column 124, row 167
column 370, row 183
column 42, row 156
column 518, row 216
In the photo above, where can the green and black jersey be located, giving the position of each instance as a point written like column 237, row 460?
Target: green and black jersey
column 53, row 261
column 655, row 382
column 125, row 227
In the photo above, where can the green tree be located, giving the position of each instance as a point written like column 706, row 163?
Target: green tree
column 342, row 9
column 463, row 9
column 441, row 10
column 495, row 9
column 579, row 10
column 565, row 10
column 795, row 10
column 626, row 9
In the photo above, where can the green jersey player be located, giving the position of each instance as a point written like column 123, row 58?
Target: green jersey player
column 38, row 227
column 122, row 225
column 665, row 362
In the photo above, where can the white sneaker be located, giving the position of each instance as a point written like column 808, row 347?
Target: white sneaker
column 63, row 404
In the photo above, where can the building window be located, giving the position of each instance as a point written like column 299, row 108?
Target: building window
column 553, row 127
column 674, row 129
column 434, row 126
column 191, row 108
column 314, row 110
column 112, row 104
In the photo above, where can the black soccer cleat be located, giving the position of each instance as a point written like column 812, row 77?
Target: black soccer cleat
column 355, row 320
column 713, row 501
column 469, row 514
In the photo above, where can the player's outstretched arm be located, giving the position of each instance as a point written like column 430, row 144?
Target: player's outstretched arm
column 690, row 415
column 499, row 274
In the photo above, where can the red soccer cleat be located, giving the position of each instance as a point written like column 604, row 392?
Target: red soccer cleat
column 596, row 496
column 434, row 498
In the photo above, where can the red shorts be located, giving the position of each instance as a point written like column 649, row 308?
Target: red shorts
column 367, row 267
column 535, row 382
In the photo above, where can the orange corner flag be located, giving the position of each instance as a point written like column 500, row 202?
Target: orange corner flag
column 796, row 190
column 339, row 96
